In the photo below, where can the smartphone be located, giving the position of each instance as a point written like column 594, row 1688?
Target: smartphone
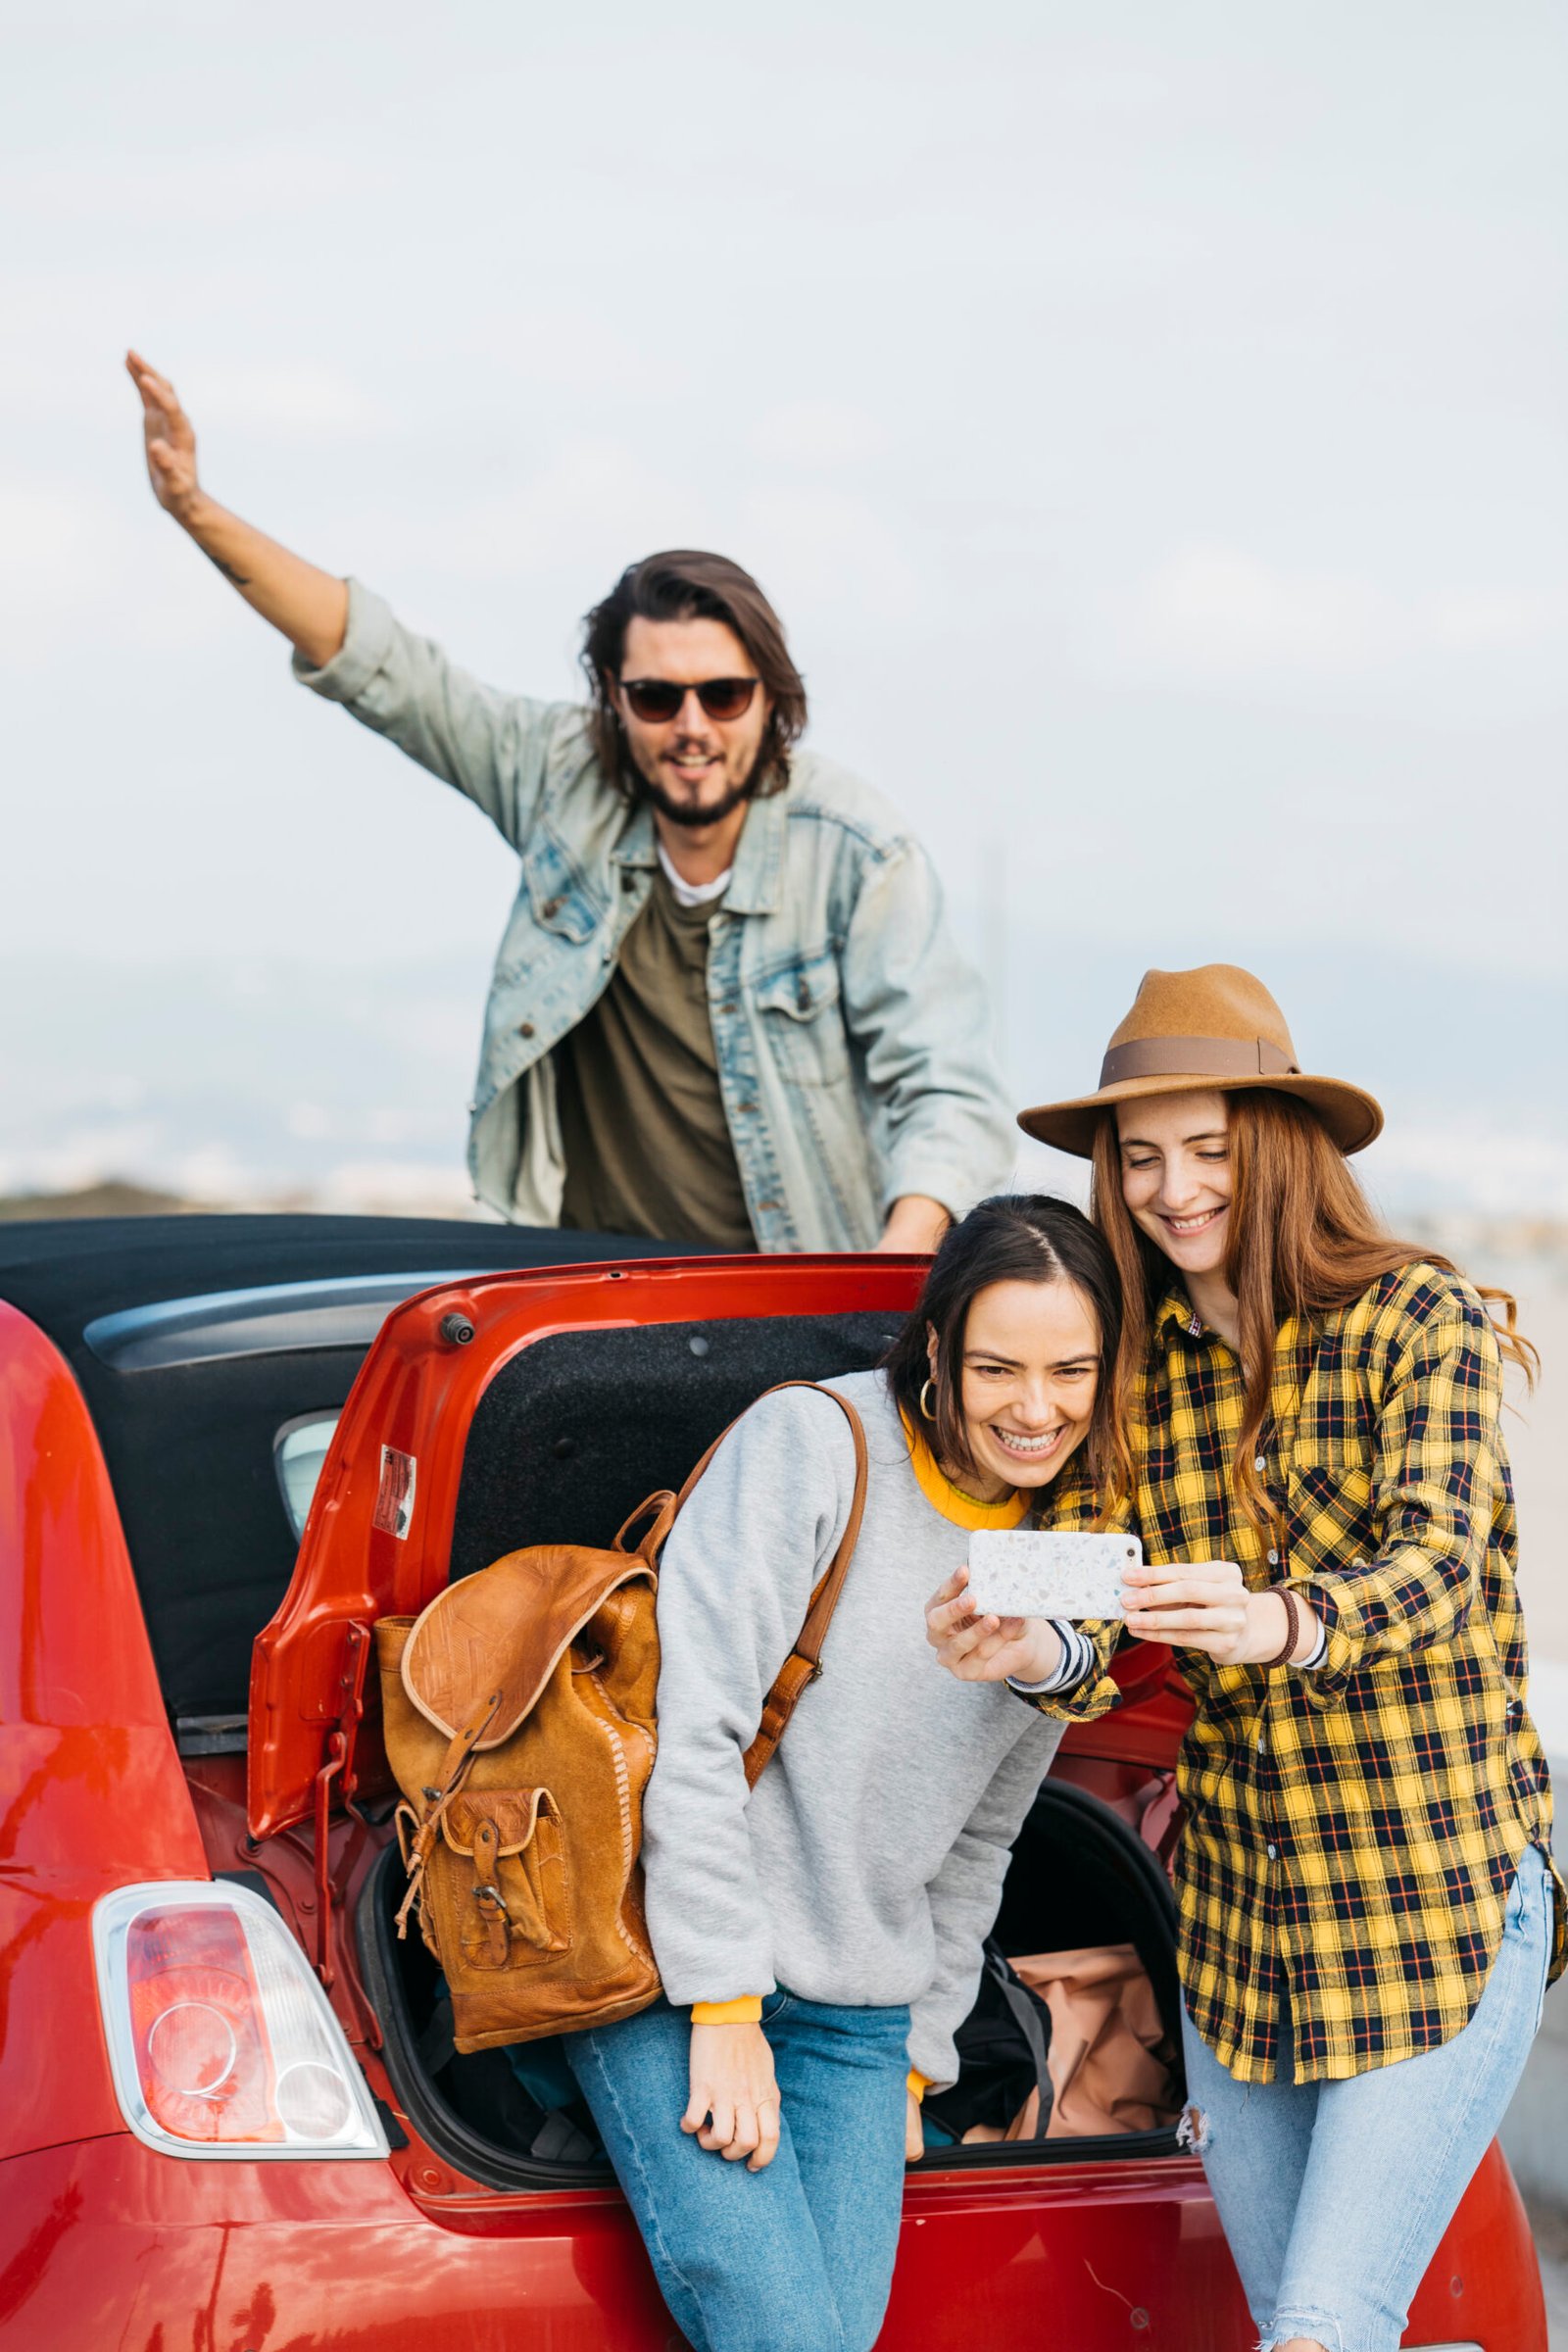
column 1034, row 1572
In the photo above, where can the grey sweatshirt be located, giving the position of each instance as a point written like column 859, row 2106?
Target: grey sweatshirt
column 866, row 1868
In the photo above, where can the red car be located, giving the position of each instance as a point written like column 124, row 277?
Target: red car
column 232, row 2119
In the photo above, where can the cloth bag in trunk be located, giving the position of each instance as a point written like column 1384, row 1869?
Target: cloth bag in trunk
column 1110, row 2059
column 517, row 1710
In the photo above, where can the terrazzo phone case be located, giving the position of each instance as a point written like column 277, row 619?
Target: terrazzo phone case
column 1034, row 1572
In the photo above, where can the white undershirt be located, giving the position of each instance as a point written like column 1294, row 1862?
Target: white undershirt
column 692, row 893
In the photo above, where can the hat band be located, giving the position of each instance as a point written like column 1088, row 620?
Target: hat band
column 1196, row 1057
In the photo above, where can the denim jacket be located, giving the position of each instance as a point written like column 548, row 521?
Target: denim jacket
column 853, row 1040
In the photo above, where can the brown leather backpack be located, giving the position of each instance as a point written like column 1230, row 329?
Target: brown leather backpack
column 519, row 1717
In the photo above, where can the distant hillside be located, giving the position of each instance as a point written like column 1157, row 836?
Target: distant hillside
column 348, row 1084
column 109, row 1200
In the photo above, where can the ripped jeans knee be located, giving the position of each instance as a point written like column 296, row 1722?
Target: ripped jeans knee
column 1192, row 2131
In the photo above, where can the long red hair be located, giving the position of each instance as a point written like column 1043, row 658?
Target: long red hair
column 1304, row 1240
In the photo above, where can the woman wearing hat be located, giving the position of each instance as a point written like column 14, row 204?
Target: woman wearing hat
column 1369, row 1911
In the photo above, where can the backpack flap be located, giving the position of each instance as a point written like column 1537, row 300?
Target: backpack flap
column 502, row 1634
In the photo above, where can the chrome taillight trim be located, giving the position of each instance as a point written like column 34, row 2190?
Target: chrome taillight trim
column 113, row 1916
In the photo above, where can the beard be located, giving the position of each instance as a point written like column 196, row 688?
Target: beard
column 692, row 815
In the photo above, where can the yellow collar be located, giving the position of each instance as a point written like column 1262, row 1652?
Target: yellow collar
column 951, row 1501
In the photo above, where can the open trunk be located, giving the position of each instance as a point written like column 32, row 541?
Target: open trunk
column 1080, row 1876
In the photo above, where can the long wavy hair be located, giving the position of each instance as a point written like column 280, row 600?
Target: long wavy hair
column 686, row 583
column 1304, row 1240
column 1013, row 1237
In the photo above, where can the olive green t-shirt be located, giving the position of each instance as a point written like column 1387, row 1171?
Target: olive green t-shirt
column 646, row 1140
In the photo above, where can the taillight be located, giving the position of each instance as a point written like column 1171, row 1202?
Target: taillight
column 221, row 2039
column 203, row 2062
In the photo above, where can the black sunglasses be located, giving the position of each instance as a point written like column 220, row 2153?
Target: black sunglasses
column 657, row 700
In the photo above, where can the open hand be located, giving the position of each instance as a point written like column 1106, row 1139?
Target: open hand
column 169, row 435
column 734, row 2104
column 988, row 1649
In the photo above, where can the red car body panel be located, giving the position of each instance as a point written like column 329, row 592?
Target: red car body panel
column 106, row 2245
column 105, row 2241
column 91, row 1790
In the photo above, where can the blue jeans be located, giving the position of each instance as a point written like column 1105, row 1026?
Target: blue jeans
column 1334, row 2195
column 798, row 2257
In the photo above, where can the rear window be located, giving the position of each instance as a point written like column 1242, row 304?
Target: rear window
column 298, row 1451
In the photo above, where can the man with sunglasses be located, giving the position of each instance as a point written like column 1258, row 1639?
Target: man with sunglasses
column 726, row 1007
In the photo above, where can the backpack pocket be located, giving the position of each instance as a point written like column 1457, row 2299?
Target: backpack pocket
column 505, row 1864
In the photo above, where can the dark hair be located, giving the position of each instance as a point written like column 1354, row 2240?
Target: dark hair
column 686, row 584
column 1013, row 1237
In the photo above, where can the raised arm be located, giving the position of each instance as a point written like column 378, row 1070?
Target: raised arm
column 350, row 647
column 309, row 606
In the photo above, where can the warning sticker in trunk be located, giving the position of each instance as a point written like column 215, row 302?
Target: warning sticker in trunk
column 394, row 1498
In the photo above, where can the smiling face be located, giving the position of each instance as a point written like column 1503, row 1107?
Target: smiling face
column 1031, row 1369
column 697, row 770
column 1177, row 1178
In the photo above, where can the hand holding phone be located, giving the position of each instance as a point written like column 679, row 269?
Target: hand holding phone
column 1039, row 1572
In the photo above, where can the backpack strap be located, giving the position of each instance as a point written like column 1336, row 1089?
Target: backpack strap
column 805, row 1661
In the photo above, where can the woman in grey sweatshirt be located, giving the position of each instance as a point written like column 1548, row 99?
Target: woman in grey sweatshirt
column 819, row 1937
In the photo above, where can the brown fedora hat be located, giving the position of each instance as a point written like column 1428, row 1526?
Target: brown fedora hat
column 1212, row 1028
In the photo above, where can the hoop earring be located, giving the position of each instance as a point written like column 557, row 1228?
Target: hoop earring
column 925, row 1393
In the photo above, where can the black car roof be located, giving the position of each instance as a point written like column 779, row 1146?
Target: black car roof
column 195, row 1340
column 67, row 1272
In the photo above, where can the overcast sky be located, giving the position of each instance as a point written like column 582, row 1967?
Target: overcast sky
column 1148, row 418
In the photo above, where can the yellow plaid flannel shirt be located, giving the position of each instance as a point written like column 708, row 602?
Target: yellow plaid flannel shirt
column 1350, row 1834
